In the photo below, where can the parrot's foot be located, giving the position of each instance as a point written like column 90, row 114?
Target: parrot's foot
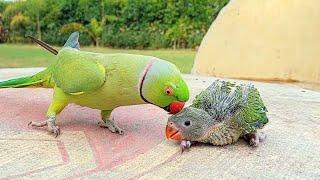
column 255, row 139
column 185, row 145
column 50, row 123
column 111, row 126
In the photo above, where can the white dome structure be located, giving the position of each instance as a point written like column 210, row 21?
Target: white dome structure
column 263, row 40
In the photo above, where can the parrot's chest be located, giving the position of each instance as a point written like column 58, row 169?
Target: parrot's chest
column 225, row 133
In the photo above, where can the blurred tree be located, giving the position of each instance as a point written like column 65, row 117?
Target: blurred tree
column 34, row 9
column 93, row 29
column 116, row 23
column 3, row 31
column 51, row 22
column 19, row 22
column 3, row 5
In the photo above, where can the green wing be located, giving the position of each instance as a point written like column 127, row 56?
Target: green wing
column 76, row 75
column 253, row 114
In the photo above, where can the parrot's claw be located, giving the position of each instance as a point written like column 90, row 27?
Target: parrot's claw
column 111, row 126
column 262, row 136
column 55, row 130
column 185, row 145
column 37, row 124
column 256, row 138
column 50, row 123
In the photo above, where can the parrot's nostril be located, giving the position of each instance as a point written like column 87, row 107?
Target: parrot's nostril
column 170, row 124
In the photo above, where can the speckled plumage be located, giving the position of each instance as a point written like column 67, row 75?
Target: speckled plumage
column 222, row 114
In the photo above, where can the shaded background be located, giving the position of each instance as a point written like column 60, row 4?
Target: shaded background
column 112, row 23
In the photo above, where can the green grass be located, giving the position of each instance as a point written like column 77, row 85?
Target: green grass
column 18, row 55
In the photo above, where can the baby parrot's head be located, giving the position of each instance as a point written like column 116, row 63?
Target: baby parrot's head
column 164, row 86
column 189, row 124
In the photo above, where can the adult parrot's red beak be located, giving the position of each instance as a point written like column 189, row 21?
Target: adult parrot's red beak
column 175, row 107
column 173, row 133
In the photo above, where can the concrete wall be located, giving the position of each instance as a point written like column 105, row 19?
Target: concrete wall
column 263, row 39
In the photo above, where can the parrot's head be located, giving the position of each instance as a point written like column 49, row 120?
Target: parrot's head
column 164, row 87
column 190, row 124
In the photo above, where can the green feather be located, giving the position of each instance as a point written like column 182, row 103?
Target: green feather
column 19, row 82
column 41, row 79
column 253, row 113
column 226, row 101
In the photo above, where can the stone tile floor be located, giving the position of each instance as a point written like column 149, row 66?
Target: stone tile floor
column 83, row 150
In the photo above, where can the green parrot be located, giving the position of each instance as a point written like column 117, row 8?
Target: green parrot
column 104, row 82
column 220, row 115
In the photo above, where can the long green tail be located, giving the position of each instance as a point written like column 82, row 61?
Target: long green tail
column 41, row 79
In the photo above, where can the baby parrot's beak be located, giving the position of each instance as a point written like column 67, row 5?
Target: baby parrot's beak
column 174, row 107
column 172, row 132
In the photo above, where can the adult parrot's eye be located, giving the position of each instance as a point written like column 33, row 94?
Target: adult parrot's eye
column 169, row 91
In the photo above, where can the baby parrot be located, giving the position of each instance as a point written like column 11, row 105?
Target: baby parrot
column 220, row 115
column 104, row 82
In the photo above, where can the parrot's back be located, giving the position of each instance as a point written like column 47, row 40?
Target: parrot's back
column 239, row 104
column 74, row 63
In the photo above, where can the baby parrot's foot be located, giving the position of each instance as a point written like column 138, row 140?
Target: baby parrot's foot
column 262, row 136
column 255, row 139
column 185, row 145
column 50, row 123
column 111, row 126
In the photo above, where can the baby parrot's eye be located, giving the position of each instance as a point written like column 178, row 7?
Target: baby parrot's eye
column 187, row 123
column 169, row 91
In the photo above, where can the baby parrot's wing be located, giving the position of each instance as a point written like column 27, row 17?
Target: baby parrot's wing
column 225, row 101
column 253, row 114
column 216, row 100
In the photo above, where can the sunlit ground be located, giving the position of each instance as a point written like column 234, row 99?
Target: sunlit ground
column 18, row 55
